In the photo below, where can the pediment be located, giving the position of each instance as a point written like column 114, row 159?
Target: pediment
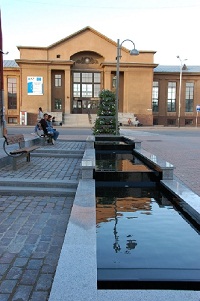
column 86, row 29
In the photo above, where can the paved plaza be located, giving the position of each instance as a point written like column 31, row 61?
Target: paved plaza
column 33, row 226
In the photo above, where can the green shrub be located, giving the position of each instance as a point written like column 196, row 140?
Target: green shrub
column 106, row 115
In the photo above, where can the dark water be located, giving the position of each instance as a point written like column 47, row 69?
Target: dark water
column 118, row 162
column 141, row 235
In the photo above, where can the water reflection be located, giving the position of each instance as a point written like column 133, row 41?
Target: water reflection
column 119, row 162
column 111, row 209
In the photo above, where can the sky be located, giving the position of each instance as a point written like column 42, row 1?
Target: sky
column 168, row 27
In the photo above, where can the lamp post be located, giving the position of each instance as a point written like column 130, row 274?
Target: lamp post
column 180, row 84
column 2, row 119
column 132, row 52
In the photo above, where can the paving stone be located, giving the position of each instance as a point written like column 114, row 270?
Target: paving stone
column 20, row 262
column 22, row 293
column 39, row 296
column 7, row 286
column 44, row 282
column 14, row 273
column 4, row 297
column 3, row 268
column 35, row 264
column 7, row 257
column 29, row 277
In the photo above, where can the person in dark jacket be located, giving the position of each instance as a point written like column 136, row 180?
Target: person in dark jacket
column 45, row 123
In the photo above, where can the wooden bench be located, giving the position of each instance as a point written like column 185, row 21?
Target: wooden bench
column 21, row 151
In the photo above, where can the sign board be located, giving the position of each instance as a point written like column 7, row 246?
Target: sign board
column 198, row 108
column 35, row 85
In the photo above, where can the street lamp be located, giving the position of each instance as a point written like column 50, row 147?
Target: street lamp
column 132, row 52
column 180, row 84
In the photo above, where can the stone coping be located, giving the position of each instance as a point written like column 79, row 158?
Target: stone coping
column 159, row 164
column 190, row 201
column 76, row 274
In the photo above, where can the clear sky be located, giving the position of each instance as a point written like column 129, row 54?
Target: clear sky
column 169, row 27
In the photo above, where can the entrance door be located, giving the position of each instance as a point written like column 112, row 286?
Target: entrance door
column 77, row 106
column 81, row 106
column 57, row 90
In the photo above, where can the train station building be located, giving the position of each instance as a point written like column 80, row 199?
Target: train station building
column 66, row 77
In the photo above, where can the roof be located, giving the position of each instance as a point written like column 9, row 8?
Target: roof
column 174, row 69
column 10, row 64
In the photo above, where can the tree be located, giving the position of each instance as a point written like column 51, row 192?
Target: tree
column 106, row 115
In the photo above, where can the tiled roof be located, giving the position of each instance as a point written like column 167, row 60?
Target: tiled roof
column 10, row 63
column 174, row 69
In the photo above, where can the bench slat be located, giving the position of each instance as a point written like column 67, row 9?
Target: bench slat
column 24, row 150
column 13, row 139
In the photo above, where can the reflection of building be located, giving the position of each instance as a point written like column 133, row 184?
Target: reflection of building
column 67, row 76
column 107, row 210
column 111, row 209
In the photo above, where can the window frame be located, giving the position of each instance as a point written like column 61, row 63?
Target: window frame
column 189, row 100
column 171, row 96
column 12, row 94
column 155, row 96
column 58, row 80
column 90, row 84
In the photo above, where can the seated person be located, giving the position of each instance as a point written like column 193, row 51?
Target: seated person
column 46, row 125
column 56, row 122
column 130, row 122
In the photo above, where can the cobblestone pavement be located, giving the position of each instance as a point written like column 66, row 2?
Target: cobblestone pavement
column 32, row 228
column 32, row 231
column 45, row 168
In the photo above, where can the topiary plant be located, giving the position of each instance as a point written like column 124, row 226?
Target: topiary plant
column 106, row 115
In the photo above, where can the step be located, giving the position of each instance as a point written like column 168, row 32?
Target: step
column 59, row 151
column 34, row 191
column 58, row 155
column 37, row 183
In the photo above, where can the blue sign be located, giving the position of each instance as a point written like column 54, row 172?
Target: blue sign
column 198, row 108
column 35, row 85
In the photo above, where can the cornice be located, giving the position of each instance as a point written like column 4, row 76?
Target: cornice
column 132, row 64
column 44, row 62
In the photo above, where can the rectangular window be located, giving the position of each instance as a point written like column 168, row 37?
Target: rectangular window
column 97, row 88
column 86, row 84
column 12, row 93
column 86, row 77
column 189, row 122
column 97, row 78
column 12, row 120
column 58, row 104
column 58, row 80
column 74, row 104
column 76, row 77
column 86, row 90
column 171, row 122
column 76, row 90
column 155, row 97
column 189, row 97
column 171, row 97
